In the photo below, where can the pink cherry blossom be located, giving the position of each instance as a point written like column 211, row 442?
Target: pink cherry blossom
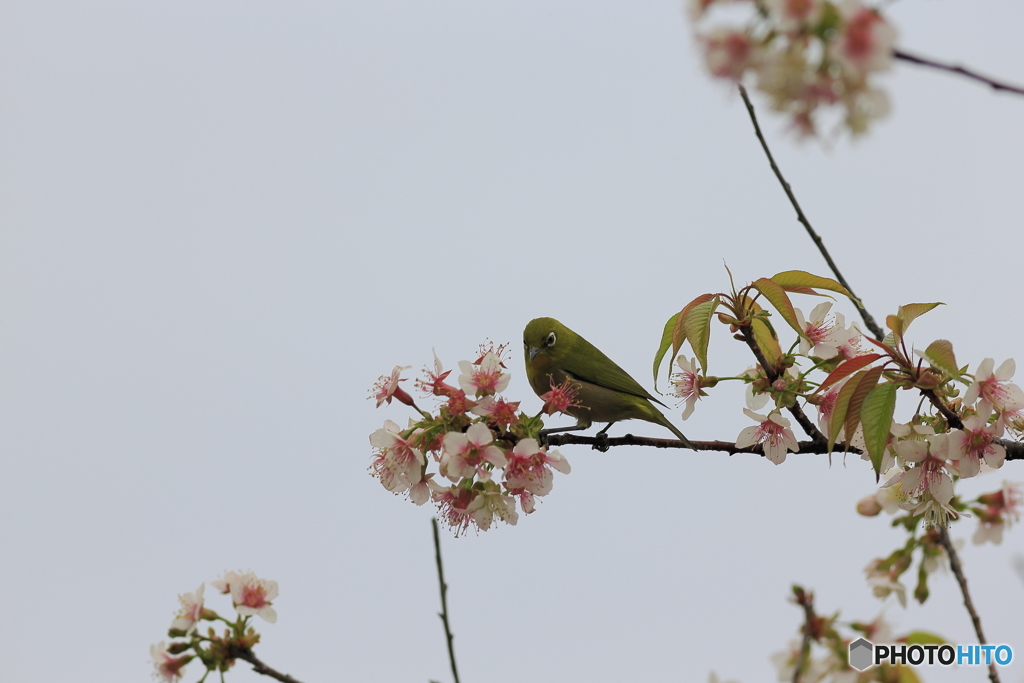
column 397, row 463
column 772, row 432
column 253, row 595
column 529, row 471
column 1001, row 510
column 728, row 53
column 387, row 388
column 884, row 581
column 561, row 398
column 824, row 335
column 484, row 377
column 865, row 42
column 190, row 612
column 686, row 384
column 224, row 585
column 791, row 15
column 500, row 411
column 168, row 668
column 993, row 388
column 453, row 506
column 974, row 443
column 465, row 452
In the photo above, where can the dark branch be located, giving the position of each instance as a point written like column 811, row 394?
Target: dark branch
column 953, row 68
column 259, row 667
column 958, row 572
column 444, row 601
column 865, row 316
column 1014, row 450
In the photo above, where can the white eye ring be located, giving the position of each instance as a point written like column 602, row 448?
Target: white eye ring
column 551, row 339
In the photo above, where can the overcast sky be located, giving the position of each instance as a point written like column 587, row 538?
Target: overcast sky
column 221, row 221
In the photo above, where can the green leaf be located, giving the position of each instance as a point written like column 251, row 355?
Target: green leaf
column 847, row 368
column 796, row 280
column 838, row 416
column 765, row 336
column 666, row 341
column 940, row 354
column 865, row 383
column 907, row 314
column 697, row 327
column 876, row 416
column 780, row 300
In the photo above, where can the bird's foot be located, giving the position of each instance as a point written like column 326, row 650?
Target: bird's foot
column 602, row 442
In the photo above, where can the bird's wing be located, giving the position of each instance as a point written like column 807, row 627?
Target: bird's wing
column 590, row 365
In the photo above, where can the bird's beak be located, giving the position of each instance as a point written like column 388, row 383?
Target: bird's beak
column 534, row 350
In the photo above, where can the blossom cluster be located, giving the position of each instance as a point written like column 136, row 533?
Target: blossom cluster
column 805, row 55
column 250, row 596
column 487, row 454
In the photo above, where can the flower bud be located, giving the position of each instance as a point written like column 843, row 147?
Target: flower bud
column 869, row 506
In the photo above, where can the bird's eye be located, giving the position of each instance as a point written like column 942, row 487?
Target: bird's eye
column 524, row 343
column 551, row 339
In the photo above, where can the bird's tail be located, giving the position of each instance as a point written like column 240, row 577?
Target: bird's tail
column 679, row 435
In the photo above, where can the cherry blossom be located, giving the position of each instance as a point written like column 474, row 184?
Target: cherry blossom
column 529, row 471
column 387, row 388
column 224, row 585
column 885, row 581
column 397, row 463
column 792, row 15
column 453, row 506
column 973, row 444
column 823, row 338
column 168, row 668
column 773, row 432
column 560, row 398
column 489, row 503
column 253, row 595
column 499, row 410
column 190, row 612
column 1001, row 510
column 993, row 388
column 484, row 377
column 865, row 42
column 464, row 452
column 686, row 384
column 728, row 53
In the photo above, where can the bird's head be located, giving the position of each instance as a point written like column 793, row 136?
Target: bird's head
column 545, row 337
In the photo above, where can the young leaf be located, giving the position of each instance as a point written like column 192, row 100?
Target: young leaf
column 697, row 326
column 666, row 341
column 679, row 333
column 907, row 314
column 847, row 368
column 838, row 416
column 865, row 383
column 780, row 300
column 940, row 354
column 796, row 280
column 876, row 416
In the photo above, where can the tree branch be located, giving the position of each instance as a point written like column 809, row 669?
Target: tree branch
column 953, row 68
column 805, row 600
column 869, row 321
column 444, row 601
column 958, row 572
column 259, row 667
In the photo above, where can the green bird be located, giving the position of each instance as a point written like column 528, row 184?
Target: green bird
column 605, row 392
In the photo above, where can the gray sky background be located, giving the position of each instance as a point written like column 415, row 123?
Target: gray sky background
column 221, row 221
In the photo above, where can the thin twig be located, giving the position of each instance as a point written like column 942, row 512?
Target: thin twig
column 865, row 316
column 810, row 429
column 958, row 572
column 805, row 600
column 259, row 667
column 444, row 601
column 953, row 68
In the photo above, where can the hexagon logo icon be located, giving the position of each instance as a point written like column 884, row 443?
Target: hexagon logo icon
column 861, row 654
